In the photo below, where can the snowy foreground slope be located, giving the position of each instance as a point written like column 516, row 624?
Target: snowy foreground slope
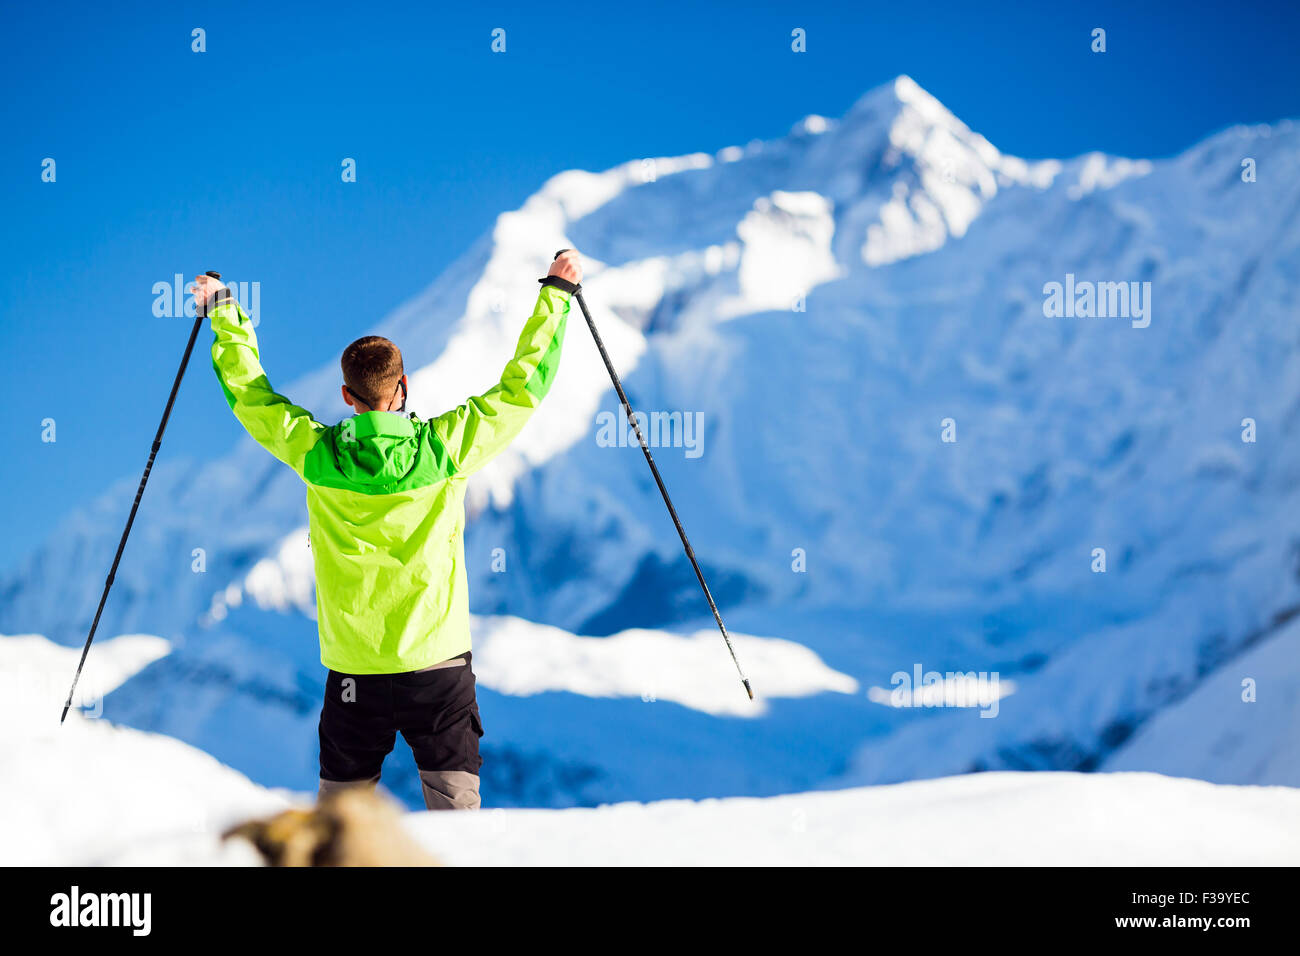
column 86, row 791
column 93, row 793
column 991, row 819
column 814, row 308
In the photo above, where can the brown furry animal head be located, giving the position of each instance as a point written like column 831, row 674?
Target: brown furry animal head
column 353, row 827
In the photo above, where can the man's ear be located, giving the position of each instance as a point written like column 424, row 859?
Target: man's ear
column 347, row 397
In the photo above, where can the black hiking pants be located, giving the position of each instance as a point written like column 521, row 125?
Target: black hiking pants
column 436, row 712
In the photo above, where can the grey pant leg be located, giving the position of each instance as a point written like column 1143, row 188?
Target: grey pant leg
column 332, row 786
column 450, row 789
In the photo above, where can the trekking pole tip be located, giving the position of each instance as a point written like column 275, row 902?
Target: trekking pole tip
column 748, row 690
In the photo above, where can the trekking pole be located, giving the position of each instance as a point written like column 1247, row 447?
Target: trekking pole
column 654, row 470
column 144, row 480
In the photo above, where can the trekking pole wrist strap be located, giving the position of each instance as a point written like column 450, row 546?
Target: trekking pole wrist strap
column 564, row 285
column 218, row 297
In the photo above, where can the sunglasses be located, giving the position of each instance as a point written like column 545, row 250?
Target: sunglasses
column 401, row 386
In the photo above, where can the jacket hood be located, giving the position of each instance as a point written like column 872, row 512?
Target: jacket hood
column 375, row 448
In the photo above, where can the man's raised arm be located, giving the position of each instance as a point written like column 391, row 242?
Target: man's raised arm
column 477, row 431
column 285, row 430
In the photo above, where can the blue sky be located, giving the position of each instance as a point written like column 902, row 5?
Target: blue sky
column 447, row 135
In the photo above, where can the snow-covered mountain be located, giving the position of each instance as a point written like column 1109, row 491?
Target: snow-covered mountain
column 1242, row 723
column 824, row 310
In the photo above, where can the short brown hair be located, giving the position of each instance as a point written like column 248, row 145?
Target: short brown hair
column 372, row 367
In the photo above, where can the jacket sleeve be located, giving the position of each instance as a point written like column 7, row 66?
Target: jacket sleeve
column 285, row 430
column 477, row 431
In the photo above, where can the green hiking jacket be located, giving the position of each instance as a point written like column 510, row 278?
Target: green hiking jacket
column 385, row 494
